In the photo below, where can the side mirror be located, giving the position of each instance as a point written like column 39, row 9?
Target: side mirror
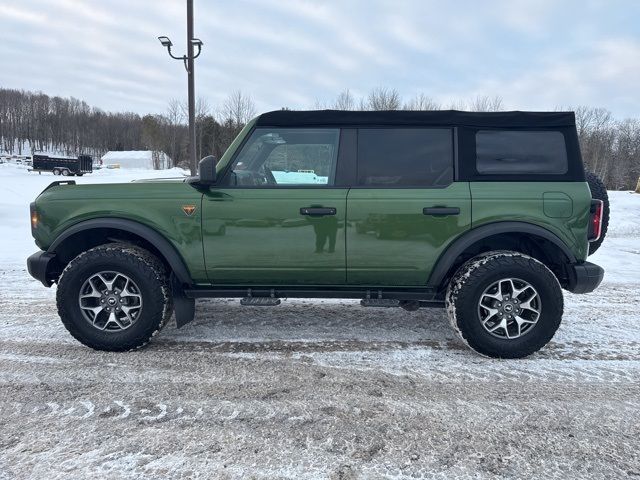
column 207, row 170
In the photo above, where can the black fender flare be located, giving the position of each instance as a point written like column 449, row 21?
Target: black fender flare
column 163, row 246
column 453, row 251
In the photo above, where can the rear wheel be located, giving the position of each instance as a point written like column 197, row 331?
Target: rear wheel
column 65, row 172
column 56, row 171
column 599, row 192
column 114, row 297
column 504, row 304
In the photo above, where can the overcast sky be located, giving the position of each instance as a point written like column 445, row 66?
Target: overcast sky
column 535, row 54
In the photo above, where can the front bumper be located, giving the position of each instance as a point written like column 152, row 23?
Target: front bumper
column 584, row 277
column 43, row 267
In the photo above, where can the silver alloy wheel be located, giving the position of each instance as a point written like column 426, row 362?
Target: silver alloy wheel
column 110, row 301
column 509, row 308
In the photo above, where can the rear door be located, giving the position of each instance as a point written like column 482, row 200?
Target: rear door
column 405, row 208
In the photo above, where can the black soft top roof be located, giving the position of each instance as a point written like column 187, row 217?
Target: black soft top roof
column 293, row 118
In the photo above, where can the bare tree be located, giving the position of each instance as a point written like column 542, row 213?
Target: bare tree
column 202, row 112
column 383, row 98
column 345, row 101
column 484, row 103
column 597, row 135
column 238, row 108
column 626, row 157
column 457, row 105
column 319, row 105
column 422, row 102
column 175, row 120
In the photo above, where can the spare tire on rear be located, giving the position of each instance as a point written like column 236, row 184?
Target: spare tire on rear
column 599, row 192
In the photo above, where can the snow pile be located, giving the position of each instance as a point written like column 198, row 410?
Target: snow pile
column 619, row 254
column 136, row 159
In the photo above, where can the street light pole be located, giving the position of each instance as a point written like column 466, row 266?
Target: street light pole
column 188, row 60
column 193, row 162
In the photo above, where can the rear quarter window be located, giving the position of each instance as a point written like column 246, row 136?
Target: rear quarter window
column 507, row 152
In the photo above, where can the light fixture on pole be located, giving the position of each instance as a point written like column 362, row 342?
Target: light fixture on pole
column 189, row 66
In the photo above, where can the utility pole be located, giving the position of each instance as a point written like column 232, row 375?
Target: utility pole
column 189, row 64
column 193, row 161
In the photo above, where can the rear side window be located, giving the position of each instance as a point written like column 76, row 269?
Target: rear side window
column 403, row 157
column 520, row 152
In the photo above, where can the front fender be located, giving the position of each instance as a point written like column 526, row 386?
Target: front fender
column 166, row 249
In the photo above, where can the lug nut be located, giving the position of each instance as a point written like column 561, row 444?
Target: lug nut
column 102, row 300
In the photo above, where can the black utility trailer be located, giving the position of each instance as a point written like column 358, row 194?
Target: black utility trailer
column 63, row 166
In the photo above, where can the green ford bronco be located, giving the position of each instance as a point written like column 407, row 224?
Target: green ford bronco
column 489, row 215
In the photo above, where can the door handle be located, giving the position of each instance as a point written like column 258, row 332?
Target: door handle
column 317, row 211
column 441, row 211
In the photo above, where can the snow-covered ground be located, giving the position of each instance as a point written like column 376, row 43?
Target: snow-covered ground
column 316, row 389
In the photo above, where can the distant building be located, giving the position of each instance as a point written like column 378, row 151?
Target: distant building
column 147, row 159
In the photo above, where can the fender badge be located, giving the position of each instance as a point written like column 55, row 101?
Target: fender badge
column 188, row 209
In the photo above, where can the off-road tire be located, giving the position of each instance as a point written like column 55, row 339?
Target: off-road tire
column 143, row 268
column 599, row 192
column 471, row 280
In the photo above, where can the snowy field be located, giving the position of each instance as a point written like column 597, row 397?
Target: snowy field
column 316, row 389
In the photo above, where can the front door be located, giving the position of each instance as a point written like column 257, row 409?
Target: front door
column 277, row 218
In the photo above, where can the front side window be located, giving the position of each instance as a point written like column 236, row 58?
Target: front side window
column 404, row 157
column 287, row 156
column 520, row 152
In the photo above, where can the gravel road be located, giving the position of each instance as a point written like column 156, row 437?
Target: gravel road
column 318, row 389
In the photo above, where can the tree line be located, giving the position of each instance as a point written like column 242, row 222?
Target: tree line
column 610, row 147
column 65, row 125
column 36, row 122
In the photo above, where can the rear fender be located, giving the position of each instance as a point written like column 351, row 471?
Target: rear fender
column 467, row 240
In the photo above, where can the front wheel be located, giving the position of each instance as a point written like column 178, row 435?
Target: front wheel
column 504, row 304
column 114, row 297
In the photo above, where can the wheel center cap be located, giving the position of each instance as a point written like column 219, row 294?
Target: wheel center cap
column 508, row 308
column 112, row 301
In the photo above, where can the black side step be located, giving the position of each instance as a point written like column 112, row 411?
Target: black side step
column 260, row 301
column 426, row 296
column 380, row 302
